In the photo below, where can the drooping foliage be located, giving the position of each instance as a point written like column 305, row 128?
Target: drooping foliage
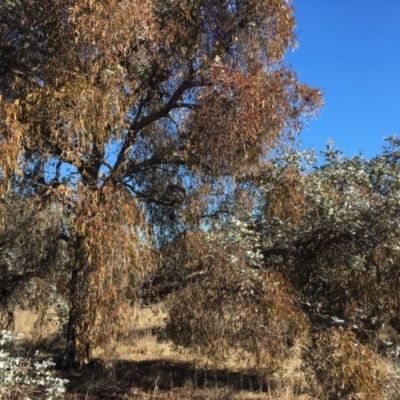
column 336, row 236
column 315, row 264
column 31, row 245
column 130, row 117
column 228, row 309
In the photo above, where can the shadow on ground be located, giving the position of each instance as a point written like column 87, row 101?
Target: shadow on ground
column 154, row 379
column 158, row 378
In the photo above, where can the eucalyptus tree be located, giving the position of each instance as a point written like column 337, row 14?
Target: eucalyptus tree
column 314, row 265
column 335, row 237
column 330, row 231
column 130, row 116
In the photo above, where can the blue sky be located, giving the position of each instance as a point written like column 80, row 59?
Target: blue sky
column 351, row 50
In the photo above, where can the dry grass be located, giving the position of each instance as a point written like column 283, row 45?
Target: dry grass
column 144, row 340
column 147, row 366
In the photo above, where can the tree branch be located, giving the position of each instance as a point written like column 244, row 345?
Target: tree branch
column 137, row 125
column 149, row 199
column 134, row 166
column 187, row 105
column 172, row 103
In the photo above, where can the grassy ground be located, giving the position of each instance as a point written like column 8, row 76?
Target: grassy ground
column 147, row 366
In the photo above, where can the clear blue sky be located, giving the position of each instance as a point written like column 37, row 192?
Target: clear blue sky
column 351, row 50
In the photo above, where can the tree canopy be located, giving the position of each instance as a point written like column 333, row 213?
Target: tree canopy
column 135, row 119
column 149, row 144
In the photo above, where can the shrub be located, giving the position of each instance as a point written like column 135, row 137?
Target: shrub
column 231, row 306
column 25, row 377
column 345, row 369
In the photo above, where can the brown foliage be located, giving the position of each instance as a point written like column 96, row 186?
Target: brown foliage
column 122, row 113
column 112, row 256
column 228, row 306
column 344, row 368
column 258, row 109
column 70, row 83
column 288, row 199
column 30, row 246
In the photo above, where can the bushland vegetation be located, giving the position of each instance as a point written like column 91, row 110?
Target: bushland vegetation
column 148, row 154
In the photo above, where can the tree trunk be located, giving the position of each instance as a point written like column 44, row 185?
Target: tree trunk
column 77, row 347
